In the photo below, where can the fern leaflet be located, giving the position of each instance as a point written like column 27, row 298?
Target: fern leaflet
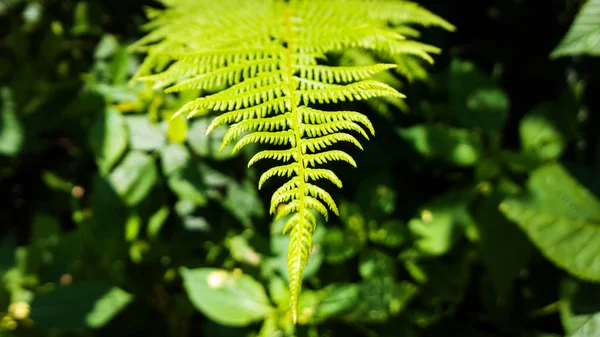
column 266, row 60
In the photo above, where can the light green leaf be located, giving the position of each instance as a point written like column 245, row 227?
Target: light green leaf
column 183, row 175
column 11, row 131
column 562, row 218
column 208, row 145
column 583, row 36
column 225, row 297
column 580, row 308
column 134, row 177
column 540, row 135
column 243, row 202
column 143, row 134
column 107, row 46
column 438, row 223
column 78, row 306
column 156, row 222
column 476, row 99
column 337, row 299
column 108, row 139
column 177, row 130
column 457, row 146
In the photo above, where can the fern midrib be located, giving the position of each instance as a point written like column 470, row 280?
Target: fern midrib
column 296, row 124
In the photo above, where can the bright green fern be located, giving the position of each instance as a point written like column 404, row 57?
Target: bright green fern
column 262, row 64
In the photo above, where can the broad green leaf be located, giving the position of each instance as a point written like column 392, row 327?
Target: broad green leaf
column 279, row 291
column 376, row 265
column 540, row 135
column 580, row 308
column 143, row 134
column 208, row 145
column 183, row 175
column 44, row 227
column 376, row 195
column 243, row 202
column 378, row 301
column 583, row 37
column 108, row 139
column 343, row 243
column 225, row 297
column 336, row 300
column 562, row 218
column 457, row 146
column 11, row 131
column 438, row 223
column 78, row 306
column 135, row 176
column 390, row 233
column 476, row 99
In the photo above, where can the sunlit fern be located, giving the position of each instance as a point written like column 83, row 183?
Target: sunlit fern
column 266, row 60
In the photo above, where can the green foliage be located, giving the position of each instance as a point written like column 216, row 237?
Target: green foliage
column 272, row 74
column 583, row 37
column 561, row 217
column 472, row 212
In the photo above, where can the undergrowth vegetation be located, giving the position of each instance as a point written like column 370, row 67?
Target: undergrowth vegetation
column 473, row 209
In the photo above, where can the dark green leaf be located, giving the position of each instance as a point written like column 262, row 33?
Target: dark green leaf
column 503, row 264
column 476, row 99
column 376, row 265
column 378, row 301
column 11, row 131
column 457, row 146
column 580, row 308
column 78, row 306
column 226, row 298
column 391, row 233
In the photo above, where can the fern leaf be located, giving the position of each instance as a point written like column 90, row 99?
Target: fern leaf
column 271, row 56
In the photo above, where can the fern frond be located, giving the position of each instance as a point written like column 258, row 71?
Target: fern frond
column 270, row 55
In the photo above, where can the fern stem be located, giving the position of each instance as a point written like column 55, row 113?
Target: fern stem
column 296, row 269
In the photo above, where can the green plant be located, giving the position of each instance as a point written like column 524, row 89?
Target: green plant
column 263, row 66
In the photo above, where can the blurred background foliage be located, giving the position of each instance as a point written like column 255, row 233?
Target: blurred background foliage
column 474, row 211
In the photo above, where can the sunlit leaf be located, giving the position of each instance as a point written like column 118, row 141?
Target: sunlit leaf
column 134, row 177
column 562, row 218
column 225, row 297
column 583, row 36
column 78, row 306
column 108, row 139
